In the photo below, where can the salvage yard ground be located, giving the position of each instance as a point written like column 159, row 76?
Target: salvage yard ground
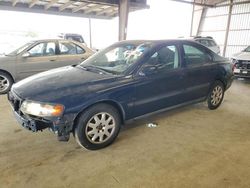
column 190, row 147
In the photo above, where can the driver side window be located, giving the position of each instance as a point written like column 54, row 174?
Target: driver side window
column 43, row 49
column 166, row 58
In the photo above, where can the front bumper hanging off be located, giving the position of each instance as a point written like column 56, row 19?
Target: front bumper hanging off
column 34, row 124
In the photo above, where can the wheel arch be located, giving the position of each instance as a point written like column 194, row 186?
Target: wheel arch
column 6, row 72
column 212, row 83
column 115, row 104
column 222, row 81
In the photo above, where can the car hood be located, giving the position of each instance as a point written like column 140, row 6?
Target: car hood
column 242, row 56
column 60, row 84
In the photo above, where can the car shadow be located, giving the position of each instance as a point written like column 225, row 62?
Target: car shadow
column 156, row 117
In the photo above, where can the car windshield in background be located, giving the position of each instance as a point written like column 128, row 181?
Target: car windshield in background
column 75, row 38
column 19, row 50
column 247, row 49
column 117, row 59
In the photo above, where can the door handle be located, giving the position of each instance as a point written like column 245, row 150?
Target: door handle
column 52, row 60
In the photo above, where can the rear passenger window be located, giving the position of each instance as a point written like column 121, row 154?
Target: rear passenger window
column 195, row 56
column 68, row 48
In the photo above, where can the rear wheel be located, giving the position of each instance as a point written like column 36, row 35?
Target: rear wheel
column 97, row 127
column 216, row 95
column 5, row 82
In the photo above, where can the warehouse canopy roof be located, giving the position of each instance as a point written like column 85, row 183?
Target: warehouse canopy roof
column 206, row 3
column 79, row 8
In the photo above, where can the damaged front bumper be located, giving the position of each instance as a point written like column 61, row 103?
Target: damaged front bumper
column 59, row 125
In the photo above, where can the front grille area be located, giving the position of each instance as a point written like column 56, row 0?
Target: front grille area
column 242, row 65
column 15, row 101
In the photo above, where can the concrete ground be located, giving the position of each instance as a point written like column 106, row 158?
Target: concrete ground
column 191, row 147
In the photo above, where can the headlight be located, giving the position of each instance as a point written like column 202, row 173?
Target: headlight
column 42, row 109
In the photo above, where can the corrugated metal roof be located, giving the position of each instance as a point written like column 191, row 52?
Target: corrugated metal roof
column 80, row 8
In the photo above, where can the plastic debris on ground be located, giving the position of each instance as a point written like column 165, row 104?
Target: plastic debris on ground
column 152, row 125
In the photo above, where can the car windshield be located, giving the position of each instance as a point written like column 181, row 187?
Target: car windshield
column 247, row 49
column 118, row 58
column 19, row 50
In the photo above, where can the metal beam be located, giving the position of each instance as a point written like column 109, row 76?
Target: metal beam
column 52, row 2
column 14, row 2
column 90, row 34
column 61, row 8
column 201, row 20
column 33, row 2
column 228, row 27
column 123, row 19
column 192, row 21
column 79, row 7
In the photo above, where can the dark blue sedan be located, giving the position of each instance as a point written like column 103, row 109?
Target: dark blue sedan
column 127, row 80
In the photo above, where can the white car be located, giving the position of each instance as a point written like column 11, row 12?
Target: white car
column 241, row 63
column 208, row 42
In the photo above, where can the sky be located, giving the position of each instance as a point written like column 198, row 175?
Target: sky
column 164, row 19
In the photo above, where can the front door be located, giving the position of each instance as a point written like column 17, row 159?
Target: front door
column 159, row 83
column 39, row 58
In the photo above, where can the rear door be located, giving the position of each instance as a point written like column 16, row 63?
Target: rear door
column 200, row 71
column 71, row 53
column 40, row 57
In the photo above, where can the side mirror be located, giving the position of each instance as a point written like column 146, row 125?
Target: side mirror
column 26, row 54
column 148, row 70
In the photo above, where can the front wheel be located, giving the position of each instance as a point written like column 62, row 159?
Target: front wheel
column 5, row 82
column 97, row 127
column 215, row 95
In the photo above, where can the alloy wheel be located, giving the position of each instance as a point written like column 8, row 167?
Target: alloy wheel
column 100, row 128
column 216, row 95
column 4, row 83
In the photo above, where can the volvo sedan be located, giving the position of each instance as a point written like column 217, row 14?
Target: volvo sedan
column 38, row 56
column 127, row 80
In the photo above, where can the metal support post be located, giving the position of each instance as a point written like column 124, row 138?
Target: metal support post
column 228, row 27
column 123, row 19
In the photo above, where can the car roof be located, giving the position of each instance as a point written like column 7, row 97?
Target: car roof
column 52, row 40
column 137, row 42
column 61, row 40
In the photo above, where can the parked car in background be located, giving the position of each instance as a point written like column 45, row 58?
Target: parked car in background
column 208, row 42
column 38, row 56
column 72, row 36
column 241, row 63
column 122, row 82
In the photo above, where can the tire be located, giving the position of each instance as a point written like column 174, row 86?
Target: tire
column 6, row 82
column 216, row 95
column 97, row 127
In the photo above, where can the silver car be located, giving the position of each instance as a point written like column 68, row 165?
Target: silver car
column 38, row 56
column 241, row 63
column 208, row 42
